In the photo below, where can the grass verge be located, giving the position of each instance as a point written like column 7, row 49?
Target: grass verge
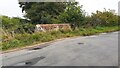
column 22, row 40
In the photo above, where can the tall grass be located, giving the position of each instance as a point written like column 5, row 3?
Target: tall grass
column 22, row 40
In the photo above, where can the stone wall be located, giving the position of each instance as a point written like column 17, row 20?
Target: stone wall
column 50, row 27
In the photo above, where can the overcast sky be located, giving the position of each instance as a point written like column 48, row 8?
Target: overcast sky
column 11, row 8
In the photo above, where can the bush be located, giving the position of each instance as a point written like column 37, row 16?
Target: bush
column 105, row 18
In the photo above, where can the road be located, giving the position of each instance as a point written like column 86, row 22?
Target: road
column 95, row 50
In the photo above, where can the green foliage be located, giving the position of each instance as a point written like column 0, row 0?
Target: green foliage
column 105, row 18
column 22, row 40
column 10, row 23
column 16, row 25
column 42, row 12
column 73, row 15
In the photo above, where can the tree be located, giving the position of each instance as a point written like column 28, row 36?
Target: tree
column 73, row 15
column 42, row 12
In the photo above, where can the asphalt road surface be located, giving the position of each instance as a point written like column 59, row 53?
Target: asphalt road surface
column 96, row 50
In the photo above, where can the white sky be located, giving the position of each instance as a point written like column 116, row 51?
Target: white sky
column 11, row 8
